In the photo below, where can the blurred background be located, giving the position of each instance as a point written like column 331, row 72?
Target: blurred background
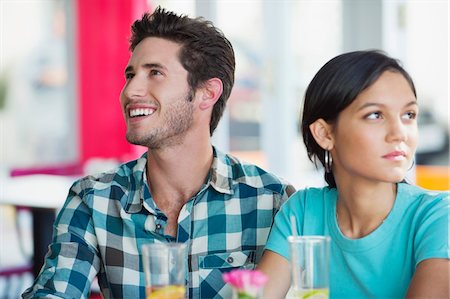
column 61, row 72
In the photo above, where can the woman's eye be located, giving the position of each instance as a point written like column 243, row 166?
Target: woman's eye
column 410, row 115
column 129, row 76
column 374, row 115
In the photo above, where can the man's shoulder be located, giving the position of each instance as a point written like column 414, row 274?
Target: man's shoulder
column 121, row 176
column 255, row 176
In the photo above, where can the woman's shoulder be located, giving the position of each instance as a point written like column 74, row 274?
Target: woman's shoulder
column 311, row 197
column 314, row 193
column 415, row 193
column 423, row 202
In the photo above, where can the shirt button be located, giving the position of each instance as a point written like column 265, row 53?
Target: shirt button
column 230, row 260
column 158, row 226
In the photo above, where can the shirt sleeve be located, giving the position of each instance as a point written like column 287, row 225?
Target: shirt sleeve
column 72, row 261
column 432, row 237
column 281, row 228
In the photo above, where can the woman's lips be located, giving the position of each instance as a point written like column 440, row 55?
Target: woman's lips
column 395, row 155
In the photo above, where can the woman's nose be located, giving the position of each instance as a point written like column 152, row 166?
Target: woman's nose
column 397, row 130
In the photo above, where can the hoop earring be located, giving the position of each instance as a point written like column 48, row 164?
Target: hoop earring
column 412, row 165
column 328, row 161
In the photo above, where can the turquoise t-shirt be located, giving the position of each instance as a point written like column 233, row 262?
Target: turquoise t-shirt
column 381, row 264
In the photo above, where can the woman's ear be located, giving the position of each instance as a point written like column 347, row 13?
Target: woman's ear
column 322, row 133
column 211, row 90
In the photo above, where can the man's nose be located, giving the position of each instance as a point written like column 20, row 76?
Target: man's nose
column 136, row 87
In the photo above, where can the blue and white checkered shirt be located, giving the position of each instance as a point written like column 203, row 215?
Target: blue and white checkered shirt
column 108, row 217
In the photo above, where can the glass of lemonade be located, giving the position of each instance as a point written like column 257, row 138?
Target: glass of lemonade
column 310, row 262
column 165, row 270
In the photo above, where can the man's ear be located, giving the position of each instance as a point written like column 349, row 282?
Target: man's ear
column 211, row 90
column 322, row 133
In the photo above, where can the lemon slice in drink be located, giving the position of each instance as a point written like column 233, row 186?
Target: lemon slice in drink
column 168, row 292
column 312, row 294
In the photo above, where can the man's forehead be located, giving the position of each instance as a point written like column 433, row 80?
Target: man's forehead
column 156, row 44
column 153, row 50
column 157, row 54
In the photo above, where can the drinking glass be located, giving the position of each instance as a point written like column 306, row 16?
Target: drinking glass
column 165, row 270
column 310, row 259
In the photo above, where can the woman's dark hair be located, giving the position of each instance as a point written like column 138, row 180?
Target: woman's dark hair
column 205, row 52
column 335, row 87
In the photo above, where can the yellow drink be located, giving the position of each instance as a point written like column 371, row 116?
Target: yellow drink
column 166, row 292
column 310, row 294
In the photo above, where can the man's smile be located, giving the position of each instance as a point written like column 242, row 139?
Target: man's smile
column 140, row 112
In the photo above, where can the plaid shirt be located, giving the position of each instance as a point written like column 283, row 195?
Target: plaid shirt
column 107, row 218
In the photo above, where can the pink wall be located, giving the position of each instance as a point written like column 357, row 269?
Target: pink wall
column 103, row 30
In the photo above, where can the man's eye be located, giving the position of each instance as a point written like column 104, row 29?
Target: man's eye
column 155, row 73
column 374, row 115
column 129, row 76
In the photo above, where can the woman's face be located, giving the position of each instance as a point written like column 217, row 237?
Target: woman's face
column 375, row 137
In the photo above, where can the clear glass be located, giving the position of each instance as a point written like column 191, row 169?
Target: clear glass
column 310, row 260
column 165, row 270
column 243, row 295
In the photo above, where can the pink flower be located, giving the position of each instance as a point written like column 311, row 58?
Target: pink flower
column 249, row 282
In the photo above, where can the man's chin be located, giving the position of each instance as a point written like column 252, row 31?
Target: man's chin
column 151, row 144
column 135, row 141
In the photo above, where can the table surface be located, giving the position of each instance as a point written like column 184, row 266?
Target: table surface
column 37, row 191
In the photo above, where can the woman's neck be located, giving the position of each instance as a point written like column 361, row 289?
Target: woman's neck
column 362, row 209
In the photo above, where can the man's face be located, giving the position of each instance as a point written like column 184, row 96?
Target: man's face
column 156, row 98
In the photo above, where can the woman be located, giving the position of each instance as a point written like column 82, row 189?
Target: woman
column 389, row 239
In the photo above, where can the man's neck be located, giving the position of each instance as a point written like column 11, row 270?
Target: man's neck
column 177, row 173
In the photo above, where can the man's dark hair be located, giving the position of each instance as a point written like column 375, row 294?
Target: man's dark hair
column 205, row 52
column 335, row 86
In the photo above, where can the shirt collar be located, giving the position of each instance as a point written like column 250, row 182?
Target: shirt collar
column 136, row 185
column 221, row 174
column 220, row 178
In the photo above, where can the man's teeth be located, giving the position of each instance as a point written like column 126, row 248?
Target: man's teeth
column 141, row 112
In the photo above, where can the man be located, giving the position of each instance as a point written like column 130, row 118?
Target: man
column 178, row 80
